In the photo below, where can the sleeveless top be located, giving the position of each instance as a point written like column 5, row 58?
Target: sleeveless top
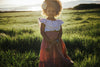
column 51, row 25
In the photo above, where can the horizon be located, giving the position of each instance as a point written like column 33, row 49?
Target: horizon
column 32, row 5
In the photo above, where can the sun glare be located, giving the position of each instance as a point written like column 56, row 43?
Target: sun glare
column 27, row 5
column 37, row 8
column 34, row 9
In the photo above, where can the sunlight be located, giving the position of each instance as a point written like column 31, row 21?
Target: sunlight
column 37, row 8
column 30, row 5
column 26, row 5
column 34, row 9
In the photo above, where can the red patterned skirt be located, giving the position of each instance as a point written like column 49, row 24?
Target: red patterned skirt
column 56, row 56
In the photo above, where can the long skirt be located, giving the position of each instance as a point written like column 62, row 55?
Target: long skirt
column 56, row 56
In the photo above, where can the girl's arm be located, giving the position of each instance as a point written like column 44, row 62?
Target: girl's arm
column 60, row 33
column 42, row 29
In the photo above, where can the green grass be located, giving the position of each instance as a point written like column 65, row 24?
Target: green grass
column 20, row 38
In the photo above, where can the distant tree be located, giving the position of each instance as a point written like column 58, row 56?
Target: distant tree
column 87, row 6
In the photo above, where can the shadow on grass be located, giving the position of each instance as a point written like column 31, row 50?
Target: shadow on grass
column 77, row 48
column 13, row 32
column 80, row 50
column 21, row 44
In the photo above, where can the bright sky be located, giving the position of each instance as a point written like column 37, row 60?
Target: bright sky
column 24, row 2
column 17, row 3
column 28, row 2
column 34, row 3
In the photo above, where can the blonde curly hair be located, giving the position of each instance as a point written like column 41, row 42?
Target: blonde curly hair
column 56, row 4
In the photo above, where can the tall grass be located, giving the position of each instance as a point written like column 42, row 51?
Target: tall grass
column 20, row 38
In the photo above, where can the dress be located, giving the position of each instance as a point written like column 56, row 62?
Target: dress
column 56, row 56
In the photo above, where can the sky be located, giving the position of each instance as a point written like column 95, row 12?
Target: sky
column 33, row 4
column 23, row 2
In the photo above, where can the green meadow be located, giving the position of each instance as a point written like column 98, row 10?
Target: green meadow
column 20, row 37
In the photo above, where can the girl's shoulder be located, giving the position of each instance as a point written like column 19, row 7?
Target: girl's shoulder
column 60, row 21
column 43, row 20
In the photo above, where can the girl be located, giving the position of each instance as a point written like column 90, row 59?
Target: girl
column 53, row 49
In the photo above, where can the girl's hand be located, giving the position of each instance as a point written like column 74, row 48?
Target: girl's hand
column 54, row 42
column 49, row 46
column 48, row 40
column 51, row 43
column 47, row 49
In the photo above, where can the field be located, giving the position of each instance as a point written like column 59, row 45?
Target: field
column 20, row 37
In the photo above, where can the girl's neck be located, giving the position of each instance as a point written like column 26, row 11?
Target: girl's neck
column 51, row 18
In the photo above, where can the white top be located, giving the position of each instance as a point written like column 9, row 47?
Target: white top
column 51, row 25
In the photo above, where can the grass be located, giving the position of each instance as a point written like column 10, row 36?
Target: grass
column 20, row 38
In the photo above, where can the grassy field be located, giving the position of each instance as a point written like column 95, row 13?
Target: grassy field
column 20, row 38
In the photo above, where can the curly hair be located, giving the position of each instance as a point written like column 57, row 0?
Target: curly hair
column 56, row 4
